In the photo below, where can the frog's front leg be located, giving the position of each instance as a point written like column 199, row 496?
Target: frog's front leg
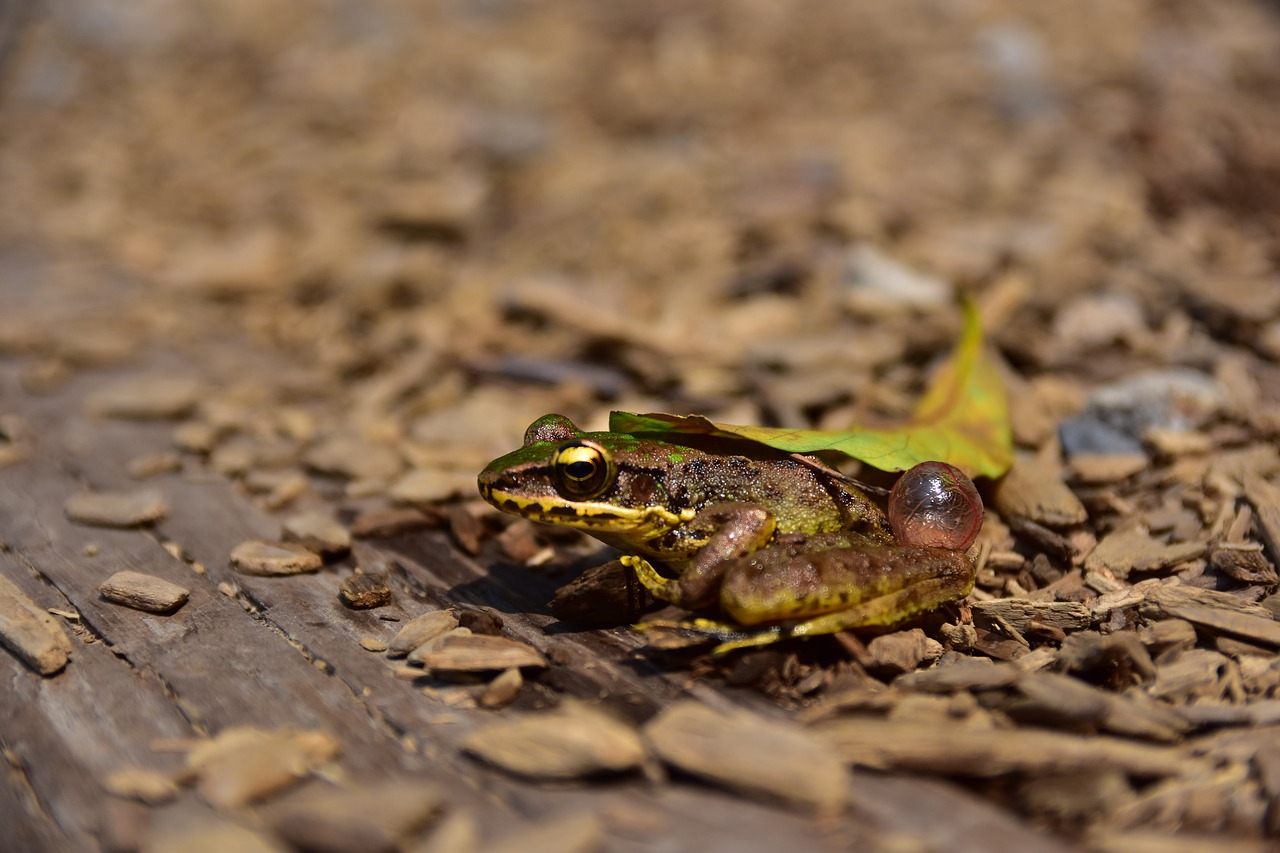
column 734, row 529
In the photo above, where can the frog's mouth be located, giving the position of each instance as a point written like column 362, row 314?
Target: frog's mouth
column 639, row 522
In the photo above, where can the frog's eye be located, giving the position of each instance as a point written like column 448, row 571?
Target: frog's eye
column 582, row 470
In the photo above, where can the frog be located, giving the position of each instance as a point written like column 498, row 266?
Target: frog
column 782, row 544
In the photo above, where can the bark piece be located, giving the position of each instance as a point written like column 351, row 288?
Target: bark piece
column 146, row 398
column 1033, row 489
column 273, row 559
column 965, row 751
column 1018, row 612
column 901, row 651
column 143, row 592
column 244, row 765
column 1264, row 497
column 1216, row 610
column 1067, row 699
column 142, row 784
column 116, row 509
column 1130, row 548
column 503, row 690
column 385, row 523
column 319, row 532
column 353, row 457
column 364, row 592
column 1244, row 566
column 30, row 633
column 1107, row 467
column 571, row 743
column 764, row 758
column 477, row 653
column 575, row 833
column 419, row 630
column 193, row 829
column 378, row 817
column 603, row 596
column 154, row 464
column 964, row 674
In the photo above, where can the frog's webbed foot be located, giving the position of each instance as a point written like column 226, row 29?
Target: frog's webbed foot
column 731, row 636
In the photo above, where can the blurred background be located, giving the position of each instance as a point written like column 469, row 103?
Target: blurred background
column 425, row 223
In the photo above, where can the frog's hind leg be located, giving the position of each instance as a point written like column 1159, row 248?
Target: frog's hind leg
column 731, row 636
column 889, row 609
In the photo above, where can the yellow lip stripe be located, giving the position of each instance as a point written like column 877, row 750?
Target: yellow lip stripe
column 643, row 522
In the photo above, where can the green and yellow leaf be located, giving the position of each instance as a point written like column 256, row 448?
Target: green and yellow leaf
column 962, row 419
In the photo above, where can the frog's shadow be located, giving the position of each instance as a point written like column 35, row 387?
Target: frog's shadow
column 501, row 584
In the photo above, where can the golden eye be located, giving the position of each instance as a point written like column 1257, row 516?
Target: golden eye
column 582, row 470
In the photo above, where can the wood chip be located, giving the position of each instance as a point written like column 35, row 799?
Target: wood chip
column 116, row 509
column 354, row 458
column 575, row 833
column 1033, row 489
column 901, row 651
column 143, row 592
column 153, row 465
column 963, row 673
column 963, row 751
column 570, row 743
column 1218, row 611
column 385, row 523
column 1129, row 548
column 503, row 690
column 1264, row 497
column 364, row 592
column 768, row 759
column 1107, row 467
column 273, row 559
column 1062, row 699
column 30, row 633
column 419, row 630
column 478, row 653
column 244, row 765
column 194, row 829
column 606, row 595
column 319, row 532
column 1018, row 612
column 430, row 485
column 1189, row 675
column 148, row 398
column 371, row 818
column 139, row 783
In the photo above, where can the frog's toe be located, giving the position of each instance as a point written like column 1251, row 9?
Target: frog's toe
column 663, row 589
column 729, row 635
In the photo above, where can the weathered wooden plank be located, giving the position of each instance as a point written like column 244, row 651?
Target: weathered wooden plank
column 190, row 650
column 68, row 732
column 27, row 826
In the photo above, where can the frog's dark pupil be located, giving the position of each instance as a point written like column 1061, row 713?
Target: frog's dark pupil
column 580, row 470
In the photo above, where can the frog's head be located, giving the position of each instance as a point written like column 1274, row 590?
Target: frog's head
column 605, row 483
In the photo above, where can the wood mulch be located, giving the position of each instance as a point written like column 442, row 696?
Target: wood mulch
column 275, row 285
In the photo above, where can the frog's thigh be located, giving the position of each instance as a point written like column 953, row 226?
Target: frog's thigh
column 877, row 585
column 891, row 608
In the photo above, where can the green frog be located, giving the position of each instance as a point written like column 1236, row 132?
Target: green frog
column 785, row 546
